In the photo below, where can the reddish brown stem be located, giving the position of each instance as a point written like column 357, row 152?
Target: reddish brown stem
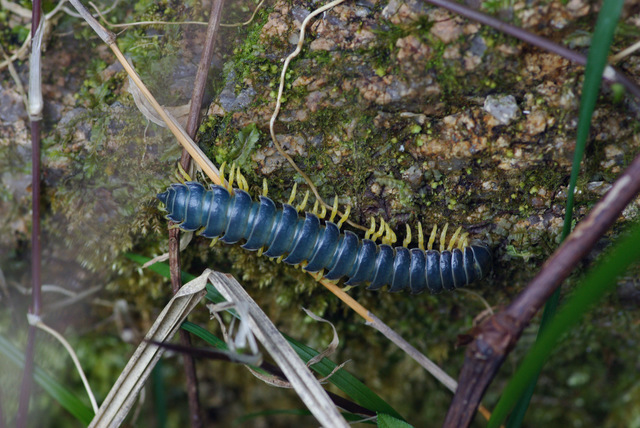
column 25, row 388
column 498, row 335
column 174, row 233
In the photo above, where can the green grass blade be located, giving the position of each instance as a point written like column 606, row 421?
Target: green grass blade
column 386, row 421
column 205, row 335
column 346, row 382
column 590, row 290
column 62, row 395
column 159, row 390
column 596, row 62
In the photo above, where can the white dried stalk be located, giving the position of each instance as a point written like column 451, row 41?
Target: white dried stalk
column 35, row 79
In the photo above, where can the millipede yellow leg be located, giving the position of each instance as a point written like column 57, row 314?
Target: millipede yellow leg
column 185, row 175
column 344, row 217
column 407, row 238
column 334, row 210
column 302, row 206
column 453, row 239
column 389, row 235
column 242, row 181
column 371, row 229
column 265, row 187
column 443, row 237
column 279, row 259
column 318, row 275
column 323, row 211
column 214, row 241
column 293, row 193
column 432, row 238
column 231, row 178
column 463, row 241
column 222, row 167
column 315, row 208
column 380, row 231
column 260, row 251
column 420, row 237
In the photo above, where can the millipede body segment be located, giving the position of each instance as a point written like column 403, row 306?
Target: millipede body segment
column 233, row 217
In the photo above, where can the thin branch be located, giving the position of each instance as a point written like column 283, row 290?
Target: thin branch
column 35, row 110
column 201, row 76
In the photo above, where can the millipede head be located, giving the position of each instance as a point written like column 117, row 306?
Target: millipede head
column 163, row 197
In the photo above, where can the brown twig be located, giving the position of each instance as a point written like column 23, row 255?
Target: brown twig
column 201, row 76
column 499, row 334
column 610, row 74
column 174, row 233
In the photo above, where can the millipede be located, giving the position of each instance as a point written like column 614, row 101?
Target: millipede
column 231, row 215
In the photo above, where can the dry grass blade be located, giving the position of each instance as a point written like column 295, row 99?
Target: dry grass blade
column 298, row 374
column 125, row 390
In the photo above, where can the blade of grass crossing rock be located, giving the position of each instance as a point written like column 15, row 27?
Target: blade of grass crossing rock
column 596, row 62
column 589, row 291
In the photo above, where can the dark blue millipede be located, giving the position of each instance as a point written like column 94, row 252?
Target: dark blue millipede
column 282, row 232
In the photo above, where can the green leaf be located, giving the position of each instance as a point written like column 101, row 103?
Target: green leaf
column 246, row 141
column 345, row 381
column 205, row 335
column 387, row 421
